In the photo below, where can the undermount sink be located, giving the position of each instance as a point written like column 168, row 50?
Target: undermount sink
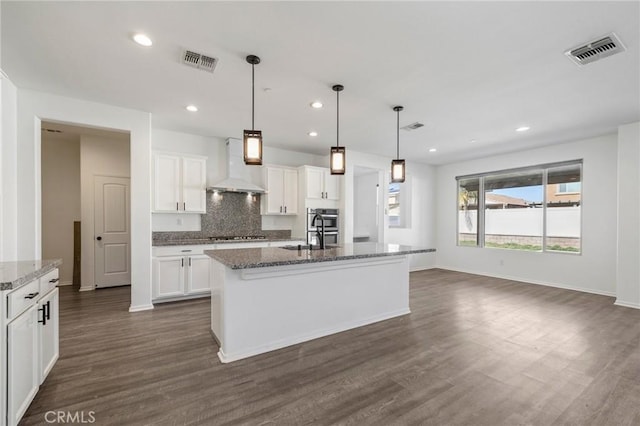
column 308, row 247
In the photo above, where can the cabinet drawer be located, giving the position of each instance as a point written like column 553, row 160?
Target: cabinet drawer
column 49, row 281
column 19, row 300
column 180, row 250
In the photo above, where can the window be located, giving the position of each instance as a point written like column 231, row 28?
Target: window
column 533, row 209
column 468, row 211
column 399, row 205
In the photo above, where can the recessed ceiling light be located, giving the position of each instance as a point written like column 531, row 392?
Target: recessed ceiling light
column 473, row 141
column 522, row 129
column 313, row 134
column 192, row 108
column 432, row 150
column 142, row 40
column 316, row 104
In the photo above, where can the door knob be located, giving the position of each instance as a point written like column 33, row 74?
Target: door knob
column 99, row 238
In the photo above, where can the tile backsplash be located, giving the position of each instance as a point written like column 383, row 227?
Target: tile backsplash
column 228, row 214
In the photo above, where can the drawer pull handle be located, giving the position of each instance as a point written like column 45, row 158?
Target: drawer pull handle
column 55, row 280
column 32, row 295
column 186, row 251
column 45, row 314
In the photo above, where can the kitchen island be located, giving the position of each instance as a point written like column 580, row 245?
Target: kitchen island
column 264, row 299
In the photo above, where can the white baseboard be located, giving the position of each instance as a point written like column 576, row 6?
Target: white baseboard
column 283, row 343
column 633, row 305
column 65, row 283
column 140, row 308
column 421, row 268
column 529, row 281
column 87, row 288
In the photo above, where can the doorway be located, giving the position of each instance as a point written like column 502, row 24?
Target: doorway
column 368, row 205
column 86, row 178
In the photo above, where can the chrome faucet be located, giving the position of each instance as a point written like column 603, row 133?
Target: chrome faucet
column 319, row 233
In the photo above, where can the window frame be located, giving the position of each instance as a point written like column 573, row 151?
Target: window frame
column 482, row 207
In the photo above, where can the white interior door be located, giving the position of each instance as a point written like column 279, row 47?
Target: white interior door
column 112, row 232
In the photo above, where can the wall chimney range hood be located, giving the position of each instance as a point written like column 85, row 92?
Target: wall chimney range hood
column 238, row 174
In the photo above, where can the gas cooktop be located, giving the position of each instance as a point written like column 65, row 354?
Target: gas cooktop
column 238, row 238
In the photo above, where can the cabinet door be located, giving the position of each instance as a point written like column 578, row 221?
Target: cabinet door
column 315, row 183
column 194, row 185
column 48, row 333
column 290, row 191
column 198, row 274
column 275, row 188
column 331, row 186
column 168, row 276
column 166, row 183
column 22, row 364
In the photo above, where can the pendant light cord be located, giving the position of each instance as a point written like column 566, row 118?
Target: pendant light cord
column 398, row 137
column 253, row 95
column 337, row 118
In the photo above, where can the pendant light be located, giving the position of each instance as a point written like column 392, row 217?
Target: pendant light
column 253, row 138
column 397, row 165
column 337, row 158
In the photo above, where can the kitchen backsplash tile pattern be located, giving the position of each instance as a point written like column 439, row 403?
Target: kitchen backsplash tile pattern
column 228, row 214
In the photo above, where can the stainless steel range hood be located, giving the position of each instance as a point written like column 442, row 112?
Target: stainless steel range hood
column 238, row 174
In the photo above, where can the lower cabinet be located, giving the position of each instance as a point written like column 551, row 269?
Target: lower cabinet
column 48, row 332
column 32, row 330
column 177, row 276
column 22, row 363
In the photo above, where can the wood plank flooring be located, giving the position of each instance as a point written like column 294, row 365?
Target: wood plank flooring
column 474, row 351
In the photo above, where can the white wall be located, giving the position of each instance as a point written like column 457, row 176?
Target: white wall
column 60, row 201
column 591, row 271
column 421, row 232
column 9, row 171
column 628, row 250
column 99, row 156
column 36, row 106
column 365, row 205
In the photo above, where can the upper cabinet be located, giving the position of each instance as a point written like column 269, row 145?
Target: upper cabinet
column 282, row 191
column 179, row 184
column 321, row 184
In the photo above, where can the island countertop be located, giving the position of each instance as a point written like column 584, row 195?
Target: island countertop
column 16, row 274
column 277, row 256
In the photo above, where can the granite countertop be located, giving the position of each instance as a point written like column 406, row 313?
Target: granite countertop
column 207, row 241
column 277, row 256
column 16, row 274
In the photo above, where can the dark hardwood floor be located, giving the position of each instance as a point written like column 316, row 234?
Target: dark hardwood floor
column 474, row 351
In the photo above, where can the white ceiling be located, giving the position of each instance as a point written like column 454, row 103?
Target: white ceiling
column 467, row 70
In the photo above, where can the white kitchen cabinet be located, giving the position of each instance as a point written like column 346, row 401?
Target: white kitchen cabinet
column 168, row 276
column 321, row 184
column 198, row 274
column 179, row 184
column 176, row 276
column 282, row 191
column 22, row 363
column 48, row 332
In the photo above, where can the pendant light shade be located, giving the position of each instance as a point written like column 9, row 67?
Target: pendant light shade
column 397, row 165
column 252, row 138
column 338, row 160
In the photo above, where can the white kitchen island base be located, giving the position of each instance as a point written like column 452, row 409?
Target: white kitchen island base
column 257, row 310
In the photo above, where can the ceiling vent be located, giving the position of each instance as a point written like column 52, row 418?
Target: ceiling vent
column 596, row 49
column 412, row 126
column 200, row 61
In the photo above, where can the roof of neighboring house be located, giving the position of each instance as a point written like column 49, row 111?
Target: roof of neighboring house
column 491, row 198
